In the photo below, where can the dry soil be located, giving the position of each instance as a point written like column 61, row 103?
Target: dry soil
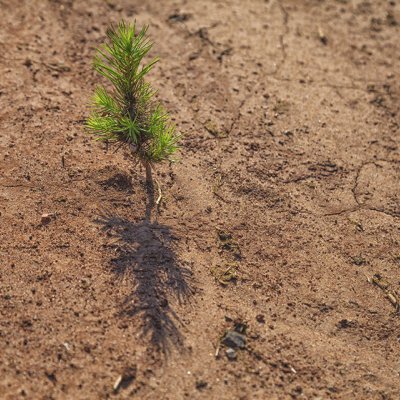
column 285, row 200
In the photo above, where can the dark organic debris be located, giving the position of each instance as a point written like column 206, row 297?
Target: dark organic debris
column 228, row 244
column 225, row 273
column 179, row 17
column 358, row 260
column 345, row 323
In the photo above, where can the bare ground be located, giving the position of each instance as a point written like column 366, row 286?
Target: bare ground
column 286, row 199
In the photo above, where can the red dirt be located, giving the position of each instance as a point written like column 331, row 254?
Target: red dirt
column 290, row 116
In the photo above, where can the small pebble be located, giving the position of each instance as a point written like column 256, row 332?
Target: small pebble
column 46, row 218
column 260, row 318
column 231, row 354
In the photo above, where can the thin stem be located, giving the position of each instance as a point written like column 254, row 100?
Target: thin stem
column 150, row 189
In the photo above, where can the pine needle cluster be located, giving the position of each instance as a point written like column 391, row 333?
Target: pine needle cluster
column 128, row 113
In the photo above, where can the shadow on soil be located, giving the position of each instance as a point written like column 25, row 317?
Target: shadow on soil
column 145, row 256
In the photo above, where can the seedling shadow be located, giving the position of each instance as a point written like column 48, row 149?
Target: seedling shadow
column 146, row 256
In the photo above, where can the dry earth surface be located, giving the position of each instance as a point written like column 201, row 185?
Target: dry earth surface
column 286, row 199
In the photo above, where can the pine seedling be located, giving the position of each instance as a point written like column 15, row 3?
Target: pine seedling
column 128, row 113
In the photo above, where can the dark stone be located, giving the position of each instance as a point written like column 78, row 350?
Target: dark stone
column 200, row 385
column 234, row 339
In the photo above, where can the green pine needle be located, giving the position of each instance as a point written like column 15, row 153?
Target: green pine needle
column 128, row 112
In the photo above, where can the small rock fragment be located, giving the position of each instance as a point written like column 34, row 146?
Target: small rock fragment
column 260, row 318
column 231, row 354
column 234, row 339
column 200, row 385
column 51, row 376
column 46, row 218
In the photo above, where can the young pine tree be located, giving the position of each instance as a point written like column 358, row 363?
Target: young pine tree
column 128, row 113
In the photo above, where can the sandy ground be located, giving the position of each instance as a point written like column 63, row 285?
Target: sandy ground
column 285, row 200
